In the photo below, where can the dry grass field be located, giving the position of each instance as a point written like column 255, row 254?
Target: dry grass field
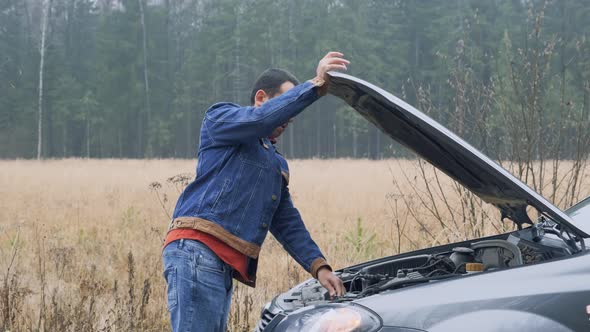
column 80, row 240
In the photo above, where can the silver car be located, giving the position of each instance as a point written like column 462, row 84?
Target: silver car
column 536, row 278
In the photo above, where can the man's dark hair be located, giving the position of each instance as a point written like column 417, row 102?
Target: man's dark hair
column 270, row 81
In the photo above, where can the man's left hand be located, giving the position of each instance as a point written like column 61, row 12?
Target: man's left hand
column 331, row 282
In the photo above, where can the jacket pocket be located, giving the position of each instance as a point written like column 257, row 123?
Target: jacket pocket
column 248, row 204
column 254, row 154
column 220, row 196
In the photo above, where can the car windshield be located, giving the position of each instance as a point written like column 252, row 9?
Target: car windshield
column 580, row 213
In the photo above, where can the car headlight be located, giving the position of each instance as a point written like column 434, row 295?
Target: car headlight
column 331, row 318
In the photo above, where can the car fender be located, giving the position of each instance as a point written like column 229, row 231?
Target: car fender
column 499, row 321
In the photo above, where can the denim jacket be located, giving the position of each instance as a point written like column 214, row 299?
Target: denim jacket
column 241, row 189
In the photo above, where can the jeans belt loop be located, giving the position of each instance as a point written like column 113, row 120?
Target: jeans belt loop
column 181, row 244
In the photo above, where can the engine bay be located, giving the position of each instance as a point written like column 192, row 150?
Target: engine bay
column 523, row 247
column 541, row 242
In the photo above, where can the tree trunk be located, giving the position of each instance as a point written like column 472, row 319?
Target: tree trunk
column 46, row 7
column 334, row 140
column 318, row 133
column 28, row 28
column 368, row 152
column 354, row 141
column 291, row 56
column 87, row 132
column 64, row 133
column 145, row 76
column 237, row 73
column 379, row 154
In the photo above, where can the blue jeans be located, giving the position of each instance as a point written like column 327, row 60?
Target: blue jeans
column 199, row 287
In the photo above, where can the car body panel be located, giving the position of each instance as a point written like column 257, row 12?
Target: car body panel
column 549, row 291
column 580, row 214
column 547, row 296
column 445, row 150
column 559, row 291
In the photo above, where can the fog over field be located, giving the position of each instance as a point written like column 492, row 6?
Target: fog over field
column 80, row 240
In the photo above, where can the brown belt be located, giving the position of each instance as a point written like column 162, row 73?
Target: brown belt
column 247, row 248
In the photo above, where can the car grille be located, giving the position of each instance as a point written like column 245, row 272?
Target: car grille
column 265, row 318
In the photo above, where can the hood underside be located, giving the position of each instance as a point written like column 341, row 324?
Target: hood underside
column 446, row 151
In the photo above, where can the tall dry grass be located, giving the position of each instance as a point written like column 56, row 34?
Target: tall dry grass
column 80, row 240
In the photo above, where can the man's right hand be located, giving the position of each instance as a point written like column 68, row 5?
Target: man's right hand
column 331, row 282
column 332, row 61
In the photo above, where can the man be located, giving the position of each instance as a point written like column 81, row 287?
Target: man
column 240, row 193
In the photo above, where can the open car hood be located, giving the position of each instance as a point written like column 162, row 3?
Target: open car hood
column 446, row 151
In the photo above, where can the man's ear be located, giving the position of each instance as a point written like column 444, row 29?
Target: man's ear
column 260, row 98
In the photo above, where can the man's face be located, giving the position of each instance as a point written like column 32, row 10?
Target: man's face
column 279, row 130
